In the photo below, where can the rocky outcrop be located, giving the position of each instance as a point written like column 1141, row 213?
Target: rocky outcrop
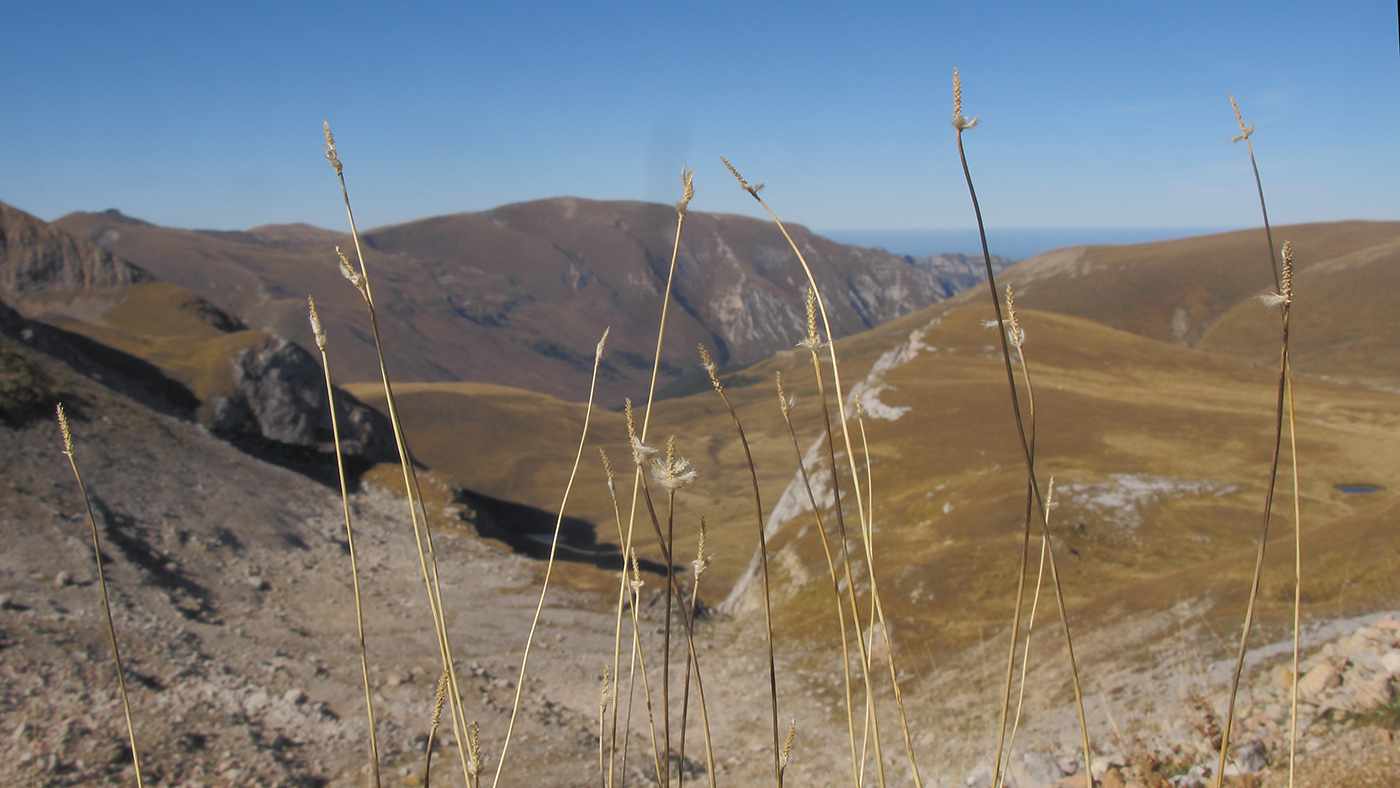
column 279, row 394
column 36, row 258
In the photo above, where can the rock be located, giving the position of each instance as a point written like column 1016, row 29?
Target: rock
column 1034, row 770
column 1113, row 778
column 1391, row 661
column 295, row 697
column 1073, row 781
column 1251, row 758
column 1283, row 678
column 979, row 777
column 255, row 702
column 279, row 393
column 1322, row 677
column 257, row 583
column 63, row 578
column 37, row 259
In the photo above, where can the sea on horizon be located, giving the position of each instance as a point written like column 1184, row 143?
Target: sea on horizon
column 1017, row 243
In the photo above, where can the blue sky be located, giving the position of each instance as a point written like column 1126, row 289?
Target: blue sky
column 1106, row 114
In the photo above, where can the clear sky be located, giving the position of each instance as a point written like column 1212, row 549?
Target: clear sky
column 208, row 115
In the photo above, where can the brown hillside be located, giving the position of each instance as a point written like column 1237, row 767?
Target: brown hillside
column 519, row 295
column 1176, row 290
column 1160, row 455
column 248, row 385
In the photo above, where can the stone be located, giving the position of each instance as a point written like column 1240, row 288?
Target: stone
column 63, row 578
column 1251, row 758
column 1035, row 770
column 1322, row 677
column 1390, row 660
column 295, row 697
column 1113, row 778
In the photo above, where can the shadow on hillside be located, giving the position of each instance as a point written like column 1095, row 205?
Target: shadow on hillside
column 529, row 531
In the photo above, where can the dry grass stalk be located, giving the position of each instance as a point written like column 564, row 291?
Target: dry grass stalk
column 102, row 584
column 785, row 403
column 1283, row 299
column 785, row 755
column 876, row 605
column 422, row 529
column 813, row 342
column 1245, row 133
column 438, row 699
column 870, row 720
column 320, row 334
column 603, row 702
column 687, row 193
column 1016, row 336
column 640, row 453
column 631, row 587
column 710, row 368
column 1279, row 284
column 549, row 566
column 699, row 565
column 961, row 124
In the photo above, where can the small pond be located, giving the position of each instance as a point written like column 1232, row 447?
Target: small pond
column 1357, row 488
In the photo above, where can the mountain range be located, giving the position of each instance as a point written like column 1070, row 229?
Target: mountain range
column 1155, row 372
column 519, row 295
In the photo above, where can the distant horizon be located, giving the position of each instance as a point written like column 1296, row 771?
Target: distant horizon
column 1017, row 243
column 1097, row 113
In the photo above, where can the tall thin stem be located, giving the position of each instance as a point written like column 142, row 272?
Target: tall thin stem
column 102, row 583
column 320, row 336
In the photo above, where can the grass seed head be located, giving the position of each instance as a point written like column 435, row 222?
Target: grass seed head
column 348, row 271
column 784, row 402
column 688, row 182
column 785, row 754
column 598, row 356
column 63, row 428
column 439, row 699
column 709, row 365
column 331, row 155
column 1285, row 296
column 316, row 328
column 959, row 122
column 1014, row 333
column 752, row 190
column 674, row 472
column 1245, row 131
column 813, row 341
column 702, row 561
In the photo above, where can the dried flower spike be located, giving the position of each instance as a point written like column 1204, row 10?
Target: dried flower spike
column 753, row 190
column 1244, row 131
column 1014, row 333
column 785, row 402
column 709, row 365
column 348, row 271
column 786, row 753
column 598, row 356
column 673, row 472
column 640, row 451
column 813, row 341
column 636, row 582
column 63, row 428
column 959, row 122
column 702, row 561
column 688, row 181
column 1285, row 296
column 439, row 699
column 331, row 155
column 607, row 467
column 316, row 328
